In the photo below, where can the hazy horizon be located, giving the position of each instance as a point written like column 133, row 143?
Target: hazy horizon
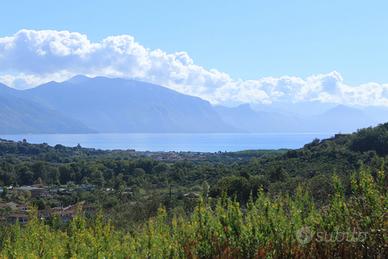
column 219, row 67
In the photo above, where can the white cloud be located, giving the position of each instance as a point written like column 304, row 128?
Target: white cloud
column 29, row 58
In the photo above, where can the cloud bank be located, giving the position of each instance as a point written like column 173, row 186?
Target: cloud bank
column 29, row 58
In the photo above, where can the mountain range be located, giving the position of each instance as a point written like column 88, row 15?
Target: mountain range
column 112, row 105
column 19, row 115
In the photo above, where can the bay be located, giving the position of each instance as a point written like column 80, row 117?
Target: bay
column 175, row 142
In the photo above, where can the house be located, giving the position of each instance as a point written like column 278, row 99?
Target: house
column 14, row 206
column 14, row 212
column 34, row 190
column 21, row 217
column 86, row 187
column 67, row 213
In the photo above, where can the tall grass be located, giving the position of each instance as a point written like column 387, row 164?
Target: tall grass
column 281, row 227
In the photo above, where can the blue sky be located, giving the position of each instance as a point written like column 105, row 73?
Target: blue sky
column 244, row 39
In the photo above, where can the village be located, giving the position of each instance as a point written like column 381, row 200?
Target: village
column 16, row 206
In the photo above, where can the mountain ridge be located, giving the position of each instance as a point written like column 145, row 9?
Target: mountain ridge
column 21, row 116
column 113, row 105
column 129, row 106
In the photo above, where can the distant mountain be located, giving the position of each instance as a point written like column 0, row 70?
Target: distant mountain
column 119, row 105
column 376, row 113
column 106, row 105
column 247, row 119
column 303, row 109
column 342, row 119
column 321, row 118
column 21, row 116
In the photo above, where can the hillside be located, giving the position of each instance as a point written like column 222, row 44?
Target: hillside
column 111, row 105
column 118, row 105
column 269, row 121
column 302, row 117
column 217, row 207
column 238, row 173
column 21, row 116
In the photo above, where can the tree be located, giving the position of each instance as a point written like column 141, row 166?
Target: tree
column 278, row 174
column 65, row 174
column 26, row 177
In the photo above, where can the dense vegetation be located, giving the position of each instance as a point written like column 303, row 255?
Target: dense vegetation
column 279, row 227
column 252, row 202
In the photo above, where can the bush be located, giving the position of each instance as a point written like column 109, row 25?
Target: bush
column 280, row 227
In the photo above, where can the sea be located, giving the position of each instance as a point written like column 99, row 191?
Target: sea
column 214, row 142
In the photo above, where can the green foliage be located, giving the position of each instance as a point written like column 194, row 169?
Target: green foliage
column 266, row 227
column 253, row 202
column 375, row 139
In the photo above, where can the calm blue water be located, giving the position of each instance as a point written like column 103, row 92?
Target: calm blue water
column 175, row 142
